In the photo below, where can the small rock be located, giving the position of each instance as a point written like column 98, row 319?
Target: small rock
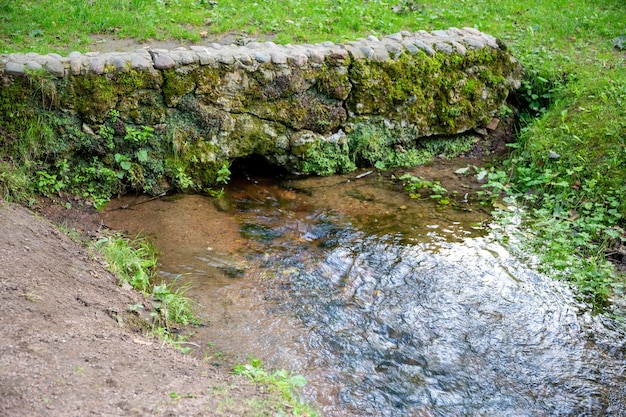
column 444, row 47
column 395, row 37
column 88, row 130
column 226, row 58
column 76, row 65
column 493, row 124
column 394, row 50
column 553, row 155
column 245, row 59
column 140, row 62
column 316, row 56
column 473, row 43
column 300, row 60
column 119, row 63
column 421, row 45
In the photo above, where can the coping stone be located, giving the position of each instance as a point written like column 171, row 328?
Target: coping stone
column 162, row 61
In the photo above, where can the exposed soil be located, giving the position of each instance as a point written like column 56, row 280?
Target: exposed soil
column 67, row 347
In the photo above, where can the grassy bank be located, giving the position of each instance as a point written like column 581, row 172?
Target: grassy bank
column 569, row 164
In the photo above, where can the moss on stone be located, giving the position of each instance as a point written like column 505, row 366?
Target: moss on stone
column 438, row 94
column 176, row 84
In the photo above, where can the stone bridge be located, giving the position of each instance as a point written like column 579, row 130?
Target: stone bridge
column 173, row 118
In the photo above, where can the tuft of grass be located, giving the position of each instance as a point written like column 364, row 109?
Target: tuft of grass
column 134, row 261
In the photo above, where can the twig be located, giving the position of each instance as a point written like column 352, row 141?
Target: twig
column 127, row 206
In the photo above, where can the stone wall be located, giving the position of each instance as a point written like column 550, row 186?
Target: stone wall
column 197, row 108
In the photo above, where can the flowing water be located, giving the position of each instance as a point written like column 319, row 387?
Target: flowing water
column 388, row 306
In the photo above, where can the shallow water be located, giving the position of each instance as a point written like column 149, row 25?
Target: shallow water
column 387, row 306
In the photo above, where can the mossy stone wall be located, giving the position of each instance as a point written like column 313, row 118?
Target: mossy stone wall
column 162, row 119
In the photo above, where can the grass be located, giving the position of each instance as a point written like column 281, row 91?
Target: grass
column 134, row 261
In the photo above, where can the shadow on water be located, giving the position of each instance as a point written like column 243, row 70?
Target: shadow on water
column 387, row 306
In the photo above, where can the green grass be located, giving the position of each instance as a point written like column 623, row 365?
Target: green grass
column 134, row 261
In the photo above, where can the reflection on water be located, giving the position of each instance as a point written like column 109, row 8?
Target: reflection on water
column 395, row 309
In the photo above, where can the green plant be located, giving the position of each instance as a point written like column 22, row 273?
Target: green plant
column 415, row 186
column 282, row 381
column 223, row 174
column 133, row 261
column 172, row 304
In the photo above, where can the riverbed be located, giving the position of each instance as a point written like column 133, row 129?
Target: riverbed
column 388, row 305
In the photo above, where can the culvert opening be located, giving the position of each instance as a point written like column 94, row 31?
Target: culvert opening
column 251, row 166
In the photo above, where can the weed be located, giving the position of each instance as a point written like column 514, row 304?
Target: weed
column 134, row 262
column 415, row 186
column 282, row 381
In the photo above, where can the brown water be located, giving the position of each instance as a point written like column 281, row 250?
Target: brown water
column 388, row 306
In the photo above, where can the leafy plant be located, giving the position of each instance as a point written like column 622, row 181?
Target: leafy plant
column 415, row 186
column 286, row 383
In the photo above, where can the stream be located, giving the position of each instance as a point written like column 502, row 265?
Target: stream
column 388, row 306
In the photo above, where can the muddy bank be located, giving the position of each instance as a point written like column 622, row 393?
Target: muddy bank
column 66, row 346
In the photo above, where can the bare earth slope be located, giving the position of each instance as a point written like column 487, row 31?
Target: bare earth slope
column 64, row 347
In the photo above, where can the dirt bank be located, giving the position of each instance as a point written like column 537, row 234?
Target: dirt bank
column 66, row 349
